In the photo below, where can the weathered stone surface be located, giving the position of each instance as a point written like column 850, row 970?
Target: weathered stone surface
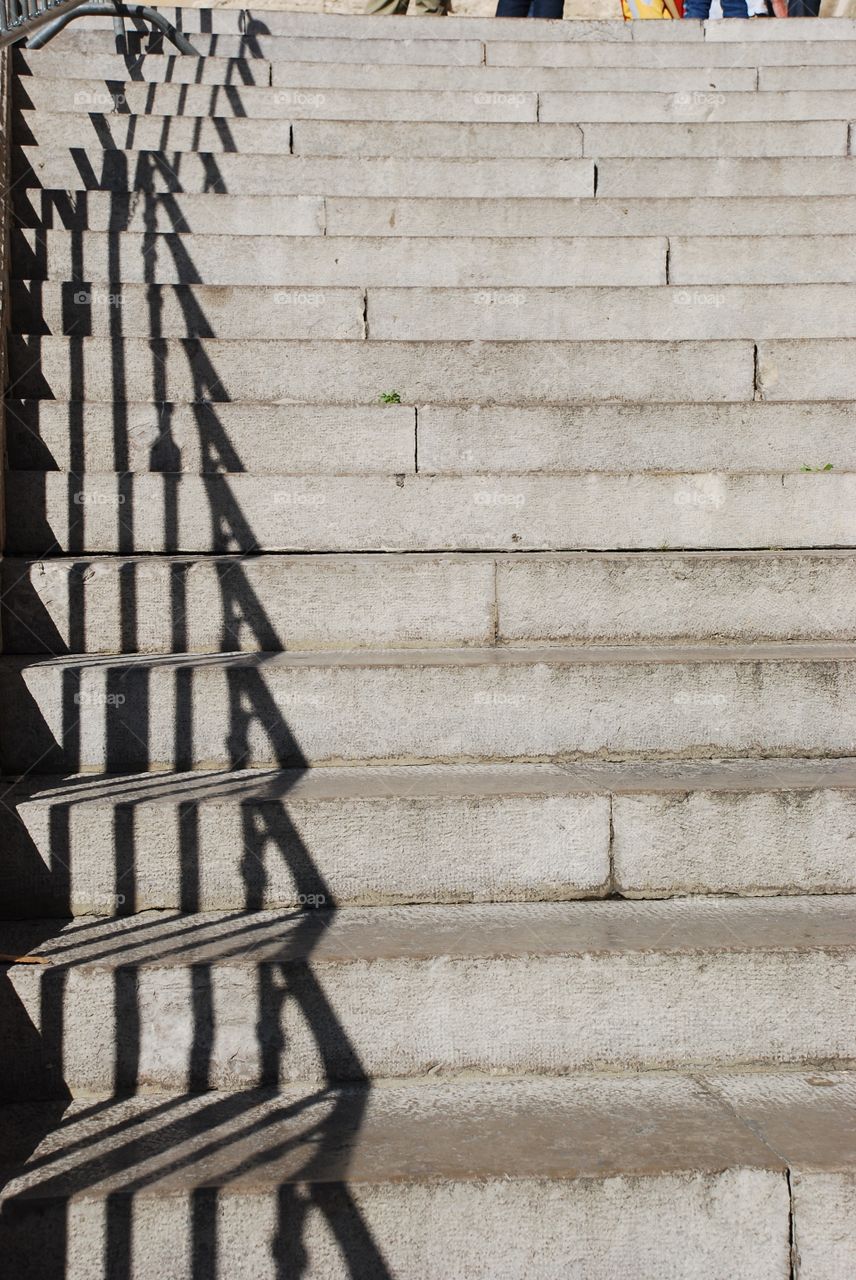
column 673, row 597
column 786, row 369
column 611, row 1173
column 758, row 138
column 400, row 991
column 251, row 603
column 52, row 513
column 223, row 438
column 810, row 104
column 348, row 373
column 127, row 713
column 332, row 837
column 762, row 260
column 767, row 52
column 409, row 138
column 713, row 310
column 425, row 834
column 290, row 175
column 673, row 216
column 343, row 261
column 766, row 437
column 785, row 176
column 334, row 601
column 300, row 102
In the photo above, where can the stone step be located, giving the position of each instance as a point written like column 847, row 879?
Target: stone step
column 435, row 264
column 211, row 605
column 785, row 176
column 263, row 439
column 270, row 839
column 308, row 102
column 692, row 105
column 54, row 63
column 444, row 51
column 420, row 53
column 384, row 139
column 314, row 262
column 425, row 139
column 307, row 439
column 473, row 1178
column 53, row 513
column 778, row 78
column 371, row 992
column 441, row 372
column 629, row 438
column 232, row 103
column 765, row 52
column 418, row 314
column 186, row 311
column 270, row 216
column 88, row 714
column 169, row 171
column 238, row 74
column 578, row 314
column 390, row 439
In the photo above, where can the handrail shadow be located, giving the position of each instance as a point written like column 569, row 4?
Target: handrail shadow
column 220, row 1123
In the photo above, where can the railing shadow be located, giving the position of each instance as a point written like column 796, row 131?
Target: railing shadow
column 225, row 1129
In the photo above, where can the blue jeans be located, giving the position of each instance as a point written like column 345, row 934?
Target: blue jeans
column 701, row 9
column 530, row 8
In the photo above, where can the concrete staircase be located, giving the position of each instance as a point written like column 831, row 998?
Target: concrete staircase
column 429, row 605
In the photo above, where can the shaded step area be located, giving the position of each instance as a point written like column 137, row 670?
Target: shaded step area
column 131, row 98
column 386, row 137
column 476, row 440
column 85, row 714
column 127, row 604
column 170, row 170
column 413, row 1179
column 326, row 837
column 571, row 313
column 270, row 216
column 172, row 68
column 366, row 992
column 311, row 262
column 52, row 513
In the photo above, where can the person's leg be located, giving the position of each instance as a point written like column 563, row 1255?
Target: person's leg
column 735, row 9
column 547, row 9
column 512, row 9
column 803, row 8
column 697, row 9
column 386, row 6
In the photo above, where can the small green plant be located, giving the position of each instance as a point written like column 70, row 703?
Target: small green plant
column 828, row 467
column 390, row 397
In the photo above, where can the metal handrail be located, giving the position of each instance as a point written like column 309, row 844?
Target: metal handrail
column 37, row 21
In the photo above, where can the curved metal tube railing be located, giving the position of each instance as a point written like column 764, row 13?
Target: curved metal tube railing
column 37, row 21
